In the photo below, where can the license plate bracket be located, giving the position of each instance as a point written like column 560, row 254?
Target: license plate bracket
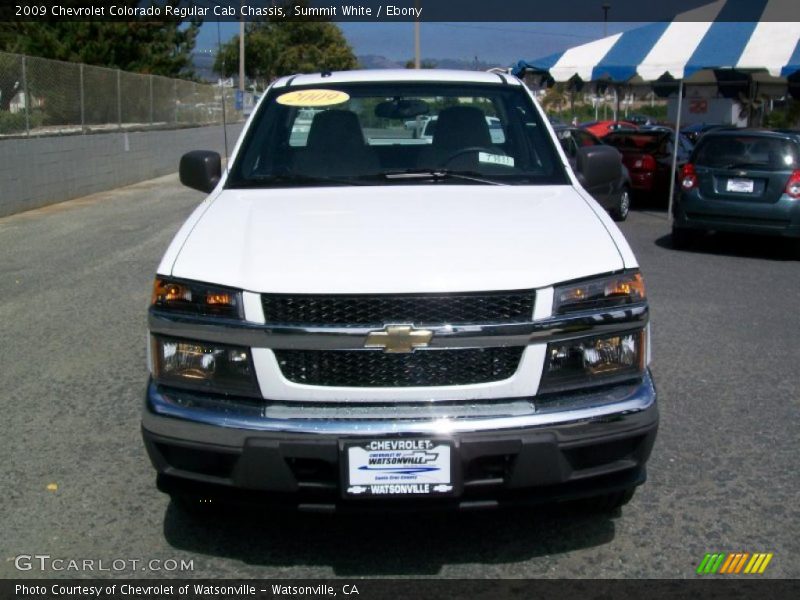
column 398, row 467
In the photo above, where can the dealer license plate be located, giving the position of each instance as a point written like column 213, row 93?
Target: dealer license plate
column 398, row 467
column 742, row 186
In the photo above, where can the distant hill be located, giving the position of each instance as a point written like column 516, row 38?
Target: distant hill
column 203, row 63
column 373, row 61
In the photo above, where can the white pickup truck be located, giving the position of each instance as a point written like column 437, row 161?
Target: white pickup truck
column 353, row 320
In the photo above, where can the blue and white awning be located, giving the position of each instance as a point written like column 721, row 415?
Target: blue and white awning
column 726, row 34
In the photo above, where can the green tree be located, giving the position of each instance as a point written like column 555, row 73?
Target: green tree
column 555, row 98
column 10, row 79
column 143, row 46
column 277, row 48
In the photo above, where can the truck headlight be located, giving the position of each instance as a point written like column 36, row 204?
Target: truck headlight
column 195, row 298
column 596, row 360
column 203, row 366
column 604, row 292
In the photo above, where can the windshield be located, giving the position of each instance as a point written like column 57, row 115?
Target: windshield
column 747, row 151
column 390, row 133
column 646, row 141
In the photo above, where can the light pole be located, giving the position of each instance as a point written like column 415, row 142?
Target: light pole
column 417, row 59
column 417, row 62
column 241, row 51
column 606, row 7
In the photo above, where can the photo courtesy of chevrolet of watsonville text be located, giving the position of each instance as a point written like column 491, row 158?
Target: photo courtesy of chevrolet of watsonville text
column 353, row 319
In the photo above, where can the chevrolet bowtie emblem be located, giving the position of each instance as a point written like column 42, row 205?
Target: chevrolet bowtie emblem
column 399, row 339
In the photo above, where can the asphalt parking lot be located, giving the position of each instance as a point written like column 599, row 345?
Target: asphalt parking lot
column 74, row 286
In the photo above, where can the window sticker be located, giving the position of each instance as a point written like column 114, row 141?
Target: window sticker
column 496, row 159
column 312, row 98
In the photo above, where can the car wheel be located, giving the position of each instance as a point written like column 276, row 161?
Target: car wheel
column 620, row 213
column 683, row 238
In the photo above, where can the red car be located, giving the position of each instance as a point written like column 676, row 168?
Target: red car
column 603, row 128
column 648, row 156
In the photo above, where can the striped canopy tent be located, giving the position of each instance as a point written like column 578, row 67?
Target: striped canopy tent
column 744, row 47
column 748, row 36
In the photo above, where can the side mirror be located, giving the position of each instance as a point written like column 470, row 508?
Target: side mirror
column 598, row 164
column 201, row 170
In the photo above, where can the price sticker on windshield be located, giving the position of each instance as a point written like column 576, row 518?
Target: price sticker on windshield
column 312, row 98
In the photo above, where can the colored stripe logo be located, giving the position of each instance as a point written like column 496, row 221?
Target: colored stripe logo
column 735, row 563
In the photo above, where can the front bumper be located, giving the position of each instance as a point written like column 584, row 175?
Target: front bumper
column 518, row 451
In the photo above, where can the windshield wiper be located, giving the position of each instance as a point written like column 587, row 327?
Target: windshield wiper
column 260, row 180
column 439, row 174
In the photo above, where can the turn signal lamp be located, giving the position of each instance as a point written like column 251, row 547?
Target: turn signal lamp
column 604, row 292
column 196, row 298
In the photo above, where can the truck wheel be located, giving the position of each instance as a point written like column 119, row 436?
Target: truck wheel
column 620, row 212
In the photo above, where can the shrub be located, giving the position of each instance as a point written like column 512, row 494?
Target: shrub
column 12, row 122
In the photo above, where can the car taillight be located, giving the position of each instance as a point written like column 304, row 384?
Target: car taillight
column 793, row 185
column 688, row 177
column 645, row 163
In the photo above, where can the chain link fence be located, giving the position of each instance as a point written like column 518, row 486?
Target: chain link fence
column 41, row 97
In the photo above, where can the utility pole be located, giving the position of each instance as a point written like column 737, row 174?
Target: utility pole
column 606, row 7
column 241, row 51
column 417, row 60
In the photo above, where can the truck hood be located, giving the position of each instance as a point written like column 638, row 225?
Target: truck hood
column 391, row 239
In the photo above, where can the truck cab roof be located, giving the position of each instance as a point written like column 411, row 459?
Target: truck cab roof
column 397, row 75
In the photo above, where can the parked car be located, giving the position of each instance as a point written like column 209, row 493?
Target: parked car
column 603, row 128
column 417, row 125
column 694, row 132
column 343, row 324
column 656, row 127
column 611, row 188
column 638, row 120
column 648, row 156
column 745, row 181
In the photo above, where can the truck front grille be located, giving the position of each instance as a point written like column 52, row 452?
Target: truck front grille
column 375, row 368
column 376, row 310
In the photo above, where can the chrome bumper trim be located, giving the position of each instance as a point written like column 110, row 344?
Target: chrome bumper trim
column 165, row 414
column 242, row 333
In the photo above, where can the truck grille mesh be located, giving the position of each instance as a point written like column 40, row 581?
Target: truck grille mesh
column 381, row 309
column 375, row 368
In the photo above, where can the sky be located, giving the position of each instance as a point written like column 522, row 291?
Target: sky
column 502, row 44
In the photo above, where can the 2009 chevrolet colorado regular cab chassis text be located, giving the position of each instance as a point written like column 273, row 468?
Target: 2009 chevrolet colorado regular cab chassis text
column 356, row 317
